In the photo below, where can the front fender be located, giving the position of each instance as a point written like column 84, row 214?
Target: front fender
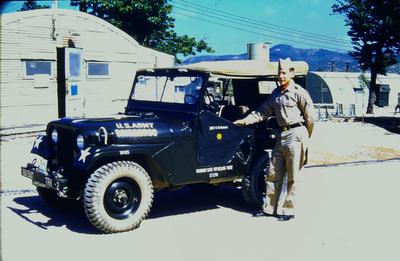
column 87, row 158
column 42, row 147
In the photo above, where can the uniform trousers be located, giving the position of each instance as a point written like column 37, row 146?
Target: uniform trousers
column 288, row 157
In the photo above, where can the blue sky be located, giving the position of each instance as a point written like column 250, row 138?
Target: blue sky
column 308, row 16
column 11, row 6
column 228, row 25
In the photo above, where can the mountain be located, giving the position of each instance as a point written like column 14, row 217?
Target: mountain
column 204, row 58
column 317, row 59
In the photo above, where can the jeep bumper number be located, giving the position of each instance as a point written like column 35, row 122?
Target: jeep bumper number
column 40, row 179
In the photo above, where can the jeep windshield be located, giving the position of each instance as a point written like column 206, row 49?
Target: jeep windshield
column 183, row 89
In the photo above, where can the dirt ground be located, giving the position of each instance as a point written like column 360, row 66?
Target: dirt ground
column 341, row 142
column 335, row 220
column 339, row 215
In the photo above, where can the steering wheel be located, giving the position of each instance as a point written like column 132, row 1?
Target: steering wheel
column 211, row 104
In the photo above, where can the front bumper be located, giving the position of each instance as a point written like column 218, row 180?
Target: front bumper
column 43, row 179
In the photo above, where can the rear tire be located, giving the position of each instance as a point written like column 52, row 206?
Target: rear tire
column 118, row 196
column 253, row 186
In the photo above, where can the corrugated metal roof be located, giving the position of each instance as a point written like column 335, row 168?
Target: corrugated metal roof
column 341, row 85
column 16, row 16
column 389, row 76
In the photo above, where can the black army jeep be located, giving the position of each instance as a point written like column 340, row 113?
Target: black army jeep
column 177, row 129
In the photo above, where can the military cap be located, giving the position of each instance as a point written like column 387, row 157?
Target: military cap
column 286, row 64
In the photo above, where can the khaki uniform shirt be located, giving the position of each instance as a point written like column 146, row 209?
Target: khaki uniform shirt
column 293, row 105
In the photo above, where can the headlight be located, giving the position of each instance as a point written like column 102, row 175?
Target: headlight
column 80, row 141
column 54, row 136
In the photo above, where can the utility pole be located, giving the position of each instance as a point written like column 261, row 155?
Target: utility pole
column 53, row 19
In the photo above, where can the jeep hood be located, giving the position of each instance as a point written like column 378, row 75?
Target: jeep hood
column 122, row 129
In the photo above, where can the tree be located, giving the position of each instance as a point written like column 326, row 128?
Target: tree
column 32, row 5
column 375, row 35
column 147, row 21
column 363, row 81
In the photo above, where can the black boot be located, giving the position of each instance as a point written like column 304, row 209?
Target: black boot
column 261, row 213
column 285, row 217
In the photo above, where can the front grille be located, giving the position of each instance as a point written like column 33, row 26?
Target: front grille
column 64, row 148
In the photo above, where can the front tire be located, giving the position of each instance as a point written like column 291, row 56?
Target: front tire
column 118, row 196
column 253, row 185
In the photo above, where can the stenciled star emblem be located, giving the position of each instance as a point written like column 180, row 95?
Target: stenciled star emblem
column 84, row 154
column 37, row 142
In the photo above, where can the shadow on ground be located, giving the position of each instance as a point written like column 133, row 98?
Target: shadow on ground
column 166, row 203
column 70, row 215
column 391, row 124
column 188, row 200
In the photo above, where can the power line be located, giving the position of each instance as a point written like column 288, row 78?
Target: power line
column 233, row 19
column 262, row 34
column 277, row 27
column 247, row 24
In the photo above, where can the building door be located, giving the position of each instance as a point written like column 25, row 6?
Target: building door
column 71, row 94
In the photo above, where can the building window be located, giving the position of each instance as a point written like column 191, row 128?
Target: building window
column 33, row 67
column 74, row 64
column 98, row 70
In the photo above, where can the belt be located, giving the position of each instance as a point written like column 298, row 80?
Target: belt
column 292, row 126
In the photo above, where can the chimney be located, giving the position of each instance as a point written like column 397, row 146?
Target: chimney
column 258, row 51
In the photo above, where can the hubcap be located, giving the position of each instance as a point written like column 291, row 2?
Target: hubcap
column 122, row 198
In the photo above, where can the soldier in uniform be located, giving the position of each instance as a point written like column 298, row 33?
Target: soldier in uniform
column 295, row 114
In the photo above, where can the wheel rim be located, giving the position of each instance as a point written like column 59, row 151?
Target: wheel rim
column 122, row 198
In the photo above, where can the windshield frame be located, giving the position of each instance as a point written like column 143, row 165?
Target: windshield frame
column 159, row 105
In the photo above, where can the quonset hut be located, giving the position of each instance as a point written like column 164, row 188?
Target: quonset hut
column 56, row 63
column 343, row 93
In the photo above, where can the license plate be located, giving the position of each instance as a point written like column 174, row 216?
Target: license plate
column 27, row 173
column 43, row 182
column 38, row 179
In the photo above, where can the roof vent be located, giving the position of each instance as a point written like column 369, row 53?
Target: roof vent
column 258, row 51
